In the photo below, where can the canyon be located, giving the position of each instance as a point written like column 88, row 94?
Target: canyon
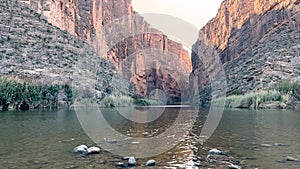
column 117, row 33
column 256, row 42
column 34, row 51
column 249, row 46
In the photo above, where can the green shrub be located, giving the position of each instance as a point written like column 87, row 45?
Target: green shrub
column 142, row 102
column 291, row 88
column 253, row 99
column 117, row 101
column 20, row 94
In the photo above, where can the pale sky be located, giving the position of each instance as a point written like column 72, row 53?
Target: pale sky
column 192, row 14
column 196, row 12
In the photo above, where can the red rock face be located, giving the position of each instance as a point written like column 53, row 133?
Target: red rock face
column 94, row 22
column 238, row 34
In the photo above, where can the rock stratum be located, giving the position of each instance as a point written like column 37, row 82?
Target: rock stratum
column 255, row 41
column 124, row 38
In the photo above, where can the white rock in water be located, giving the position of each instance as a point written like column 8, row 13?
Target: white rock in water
column 82, row 149
column 215, row 152
column 131, row 161
column 266, row 145
column 291, row 159
column 93, row 150
column 234, row 167
column 150, row 163
column 135, row 142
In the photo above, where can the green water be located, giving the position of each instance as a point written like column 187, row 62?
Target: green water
column 45, row 139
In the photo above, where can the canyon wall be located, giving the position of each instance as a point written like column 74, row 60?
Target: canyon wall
column 120, row 35
column 257, row 43
column 38, row 52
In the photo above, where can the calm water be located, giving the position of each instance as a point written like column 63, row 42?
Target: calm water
column 45, row 139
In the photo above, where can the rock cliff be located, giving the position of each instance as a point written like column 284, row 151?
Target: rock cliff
column 256, row 41
column 117, row 32
column 34, row 50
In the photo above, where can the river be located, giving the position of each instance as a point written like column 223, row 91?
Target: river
column 253, row 139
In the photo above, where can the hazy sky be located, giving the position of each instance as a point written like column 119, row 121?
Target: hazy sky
column 196, row 12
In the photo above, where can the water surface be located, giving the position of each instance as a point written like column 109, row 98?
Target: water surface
column 45, row 139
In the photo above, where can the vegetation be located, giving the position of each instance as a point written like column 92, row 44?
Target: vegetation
column 146, row 102
column 290, row 88
column 142, row 102
column 123, row 101
column 23, row 95
column 283, row 93
column 117, row 101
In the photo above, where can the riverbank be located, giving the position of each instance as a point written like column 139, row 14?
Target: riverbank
column 20, row 94
column 285, row 95
column 17, row 94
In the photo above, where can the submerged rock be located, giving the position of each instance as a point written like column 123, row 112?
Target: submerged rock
column 121, row 164
column 112, row 141
column 102, row 161
column 131, row 161
column 150, row 163
column 116, row 160
column 266, row 145
column 82, row 149
column 279, row 144
column 292, row 159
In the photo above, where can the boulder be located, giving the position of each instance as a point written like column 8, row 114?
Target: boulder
column 82, row 149
column 93, row 150
column 234, row 167
column 216, row 152
column 131, row 161
column 150, row 163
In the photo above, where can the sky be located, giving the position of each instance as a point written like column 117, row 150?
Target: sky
column 182, row 19
column 196, row 12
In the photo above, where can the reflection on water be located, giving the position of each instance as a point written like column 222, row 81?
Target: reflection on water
column 159, row 135
column 253, row 136
column 37, row 139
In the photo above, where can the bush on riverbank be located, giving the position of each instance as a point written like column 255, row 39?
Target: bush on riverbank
column 291, row 88
column 123, row 101
column 117, row 101
column 146, row 102
column 23, row 96
column 278, row 96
